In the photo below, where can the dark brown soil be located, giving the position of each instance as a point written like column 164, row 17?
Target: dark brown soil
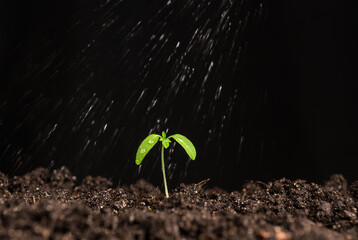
column 44, row 205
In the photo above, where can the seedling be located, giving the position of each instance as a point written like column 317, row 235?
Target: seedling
column 152, row 139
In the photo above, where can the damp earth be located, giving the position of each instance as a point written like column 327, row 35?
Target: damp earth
column 45, row 204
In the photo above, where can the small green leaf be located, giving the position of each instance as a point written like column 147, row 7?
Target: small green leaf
column 145, row 147
column 186, row 144
column 166, row 142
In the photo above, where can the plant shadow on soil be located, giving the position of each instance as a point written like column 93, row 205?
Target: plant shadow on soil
column 49, row 205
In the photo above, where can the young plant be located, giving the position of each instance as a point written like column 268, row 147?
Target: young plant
column 152, row 139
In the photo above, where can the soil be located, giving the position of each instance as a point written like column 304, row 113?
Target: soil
column 49, row 205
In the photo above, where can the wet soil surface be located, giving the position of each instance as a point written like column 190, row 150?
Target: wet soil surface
column 50, row 205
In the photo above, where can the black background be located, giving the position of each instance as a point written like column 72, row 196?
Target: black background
column 295, row 106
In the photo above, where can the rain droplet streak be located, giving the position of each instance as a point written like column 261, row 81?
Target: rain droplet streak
column 116, row 71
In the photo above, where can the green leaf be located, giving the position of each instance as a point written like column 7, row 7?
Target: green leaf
column 166, row 143
column 186, row 144
column 145, row 147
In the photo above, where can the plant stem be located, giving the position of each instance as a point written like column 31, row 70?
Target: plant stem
column 163, row 170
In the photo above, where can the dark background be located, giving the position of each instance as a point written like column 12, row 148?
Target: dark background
column 71, row 93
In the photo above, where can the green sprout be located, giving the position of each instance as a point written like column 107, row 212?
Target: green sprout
column 149, row 142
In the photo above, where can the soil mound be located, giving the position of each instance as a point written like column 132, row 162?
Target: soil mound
column 49, row 205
